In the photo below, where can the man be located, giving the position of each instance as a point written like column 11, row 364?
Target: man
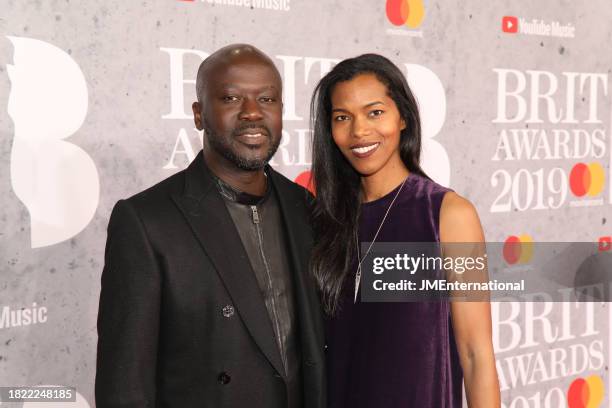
column 206, row 300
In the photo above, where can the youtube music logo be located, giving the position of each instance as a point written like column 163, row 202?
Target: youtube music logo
column 535, row 26
column 510, row 24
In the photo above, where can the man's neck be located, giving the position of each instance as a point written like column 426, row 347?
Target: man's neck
column 248, row 181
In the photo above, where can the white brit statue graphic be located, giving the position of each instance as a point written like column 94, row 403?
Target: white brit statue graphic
column 56, row 180
column 431, row 98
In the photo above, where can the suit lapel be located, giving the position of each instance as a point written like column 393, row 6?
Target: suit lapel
column 205, row 211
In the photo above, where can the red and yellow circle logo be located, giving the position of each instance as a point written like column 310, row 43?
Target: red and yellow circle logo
column 305, row 180
column 406, row 12
column 518, row 249
column 585, row 393
column 586, row 179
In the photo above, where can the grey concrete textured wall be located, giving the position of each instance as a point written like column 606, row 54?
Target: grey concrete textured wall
column 138, row 60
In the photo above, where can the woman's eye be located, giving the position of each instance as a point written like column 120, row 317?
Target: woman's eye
column 340, row 118
column 377, row 112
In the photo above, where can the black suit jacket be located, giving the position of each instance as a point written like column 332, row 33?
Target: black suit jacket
column 182, row 322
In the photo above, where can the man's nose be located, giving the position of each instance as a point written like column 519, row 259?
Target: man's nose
column 250, row 110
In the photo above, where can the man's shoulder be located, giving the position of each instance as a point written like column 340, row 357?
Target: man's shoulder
column 152, row 209
column 159, row 194
column 290, row 189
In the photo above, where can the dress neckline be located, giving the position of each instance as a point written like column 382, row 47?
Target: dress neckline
column 389, row 196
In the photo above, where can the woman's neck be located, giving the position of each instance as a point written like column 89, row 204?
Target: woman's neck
column 384, row 181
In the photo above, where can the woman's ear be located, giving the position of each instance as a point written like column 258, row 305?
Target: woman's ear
column 402, row 124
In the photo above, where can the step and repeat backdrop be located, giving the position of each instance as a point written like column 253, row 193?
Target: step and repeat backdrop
column 95, row 106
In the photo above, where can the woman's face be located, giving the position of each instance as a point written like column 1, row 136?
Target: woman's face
column 366, row 124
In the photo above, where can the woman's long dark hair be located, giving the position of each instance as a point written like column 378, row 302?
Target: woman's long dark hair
column 337, row 183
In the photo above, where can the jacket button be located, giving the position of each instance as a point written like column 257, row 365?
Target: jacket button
column 224, row 378
column 228, row 311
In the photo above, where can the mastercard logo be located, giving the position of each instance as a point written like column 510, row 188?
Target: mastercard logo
column 518, row 249
column 587, row 179
column 406, row 12
column 585, row 393
column 305, row 180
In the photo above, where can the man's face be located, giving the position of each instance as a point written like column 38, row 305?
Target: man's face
column 241, row 111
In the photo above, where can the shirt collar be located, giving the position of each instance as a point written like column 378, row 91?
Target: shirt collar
column 232, row 194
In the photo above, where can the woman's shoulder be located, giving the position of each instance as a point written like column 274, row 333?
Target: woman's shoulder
column 459, row 221
column 451, row 202
column 421, row 203
column 423, row 187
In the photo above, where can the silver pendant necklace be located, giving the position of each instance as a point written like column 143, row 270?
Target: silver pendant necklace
column 358, row 274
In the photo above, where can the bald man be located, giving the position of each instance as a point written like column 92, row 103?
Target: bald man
column 206, row 299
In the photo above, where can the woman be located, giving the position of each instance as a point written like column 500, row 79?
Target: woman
column 370, row 187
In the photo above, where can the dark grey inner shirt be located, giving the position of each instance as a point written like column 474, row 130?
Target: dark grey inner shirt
column 259, row 224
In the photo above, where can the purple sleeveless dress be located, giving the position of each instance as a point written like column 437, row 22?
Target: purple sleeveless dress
column 395, row 355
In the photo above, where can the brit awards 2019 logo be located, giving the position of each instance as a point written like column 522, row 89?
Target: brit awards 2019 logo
column 553, row 136
column 540, row 345
column 56, row 180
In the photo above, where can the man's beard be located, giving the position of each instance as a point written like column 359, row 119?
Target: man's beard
column 225, row 147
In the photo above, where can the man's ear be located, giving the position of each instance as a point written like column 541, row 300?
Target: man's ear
column 197, row 115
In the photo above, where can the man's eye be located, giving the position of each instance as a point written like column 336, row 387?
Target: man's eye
column 377, row 112
column 230, row 98
column 267, row 99
column 341, row 118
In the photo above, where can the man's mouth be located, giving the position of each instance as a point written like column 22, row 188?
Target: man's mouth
column 248, row 134
column 252, row 136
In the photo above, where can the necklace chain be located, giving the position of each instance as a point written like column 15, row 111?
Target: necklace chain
column 358, row 274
